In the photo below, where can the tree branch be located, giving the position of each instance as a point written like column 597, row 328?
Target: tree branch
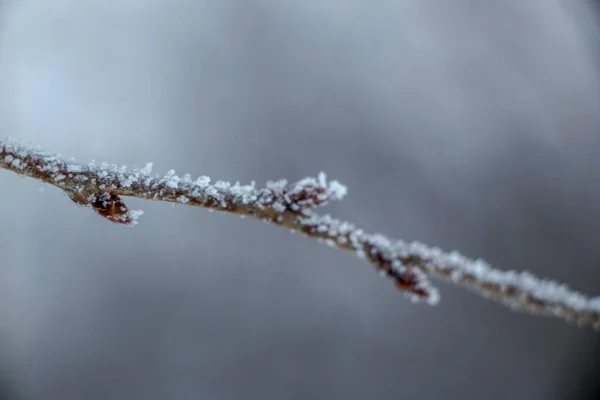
column 291, row 205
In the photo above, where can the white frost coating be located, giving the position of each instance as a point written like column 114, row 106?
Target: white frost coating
column 172, row 180
column 322, row 178
column 222, row 185
column 134, row 215
column 277, row 185
column 146, row 171
column 278, row 207
column 454, row 265
column 88, row 178
column 291, row 205
column 461, row 267
column 203, row 181
column 74, row 167
column 338, row 191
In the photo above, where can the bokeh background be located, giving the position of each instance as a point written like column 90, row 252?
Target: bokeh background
column 467, row 124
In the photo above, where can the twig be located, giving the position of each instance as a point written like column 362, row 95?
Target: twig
column 292, row 206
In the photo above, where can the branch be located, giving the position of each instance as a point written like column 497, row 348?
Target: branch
column 291, row 205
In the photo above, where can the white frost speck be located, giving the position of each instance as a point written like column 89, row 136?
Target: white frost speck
column 147, row 170
column 278, row 207
column 134, row 215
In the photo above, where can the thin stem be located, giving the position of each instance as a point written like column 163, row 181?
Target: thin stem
column 292, row 206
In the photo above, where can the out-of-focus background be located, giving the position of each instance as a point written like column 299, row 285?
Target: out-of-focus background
column 467, row 124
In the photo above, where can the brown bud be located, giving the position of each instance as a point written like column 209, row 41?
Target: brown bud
column 111, row 207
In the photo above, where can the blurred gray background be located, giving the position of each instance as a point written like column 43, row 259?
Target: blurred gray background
column 467, row 124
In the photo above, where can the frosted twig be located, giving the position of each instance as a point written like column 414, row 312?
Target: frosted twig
column 291, row 205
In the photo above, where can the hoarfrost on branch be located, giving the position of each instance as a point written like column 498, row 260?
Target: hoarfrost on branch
column 292, row 205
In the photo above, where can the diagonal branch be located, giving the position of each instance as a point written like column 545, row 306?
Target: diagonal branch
column 291, row 205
